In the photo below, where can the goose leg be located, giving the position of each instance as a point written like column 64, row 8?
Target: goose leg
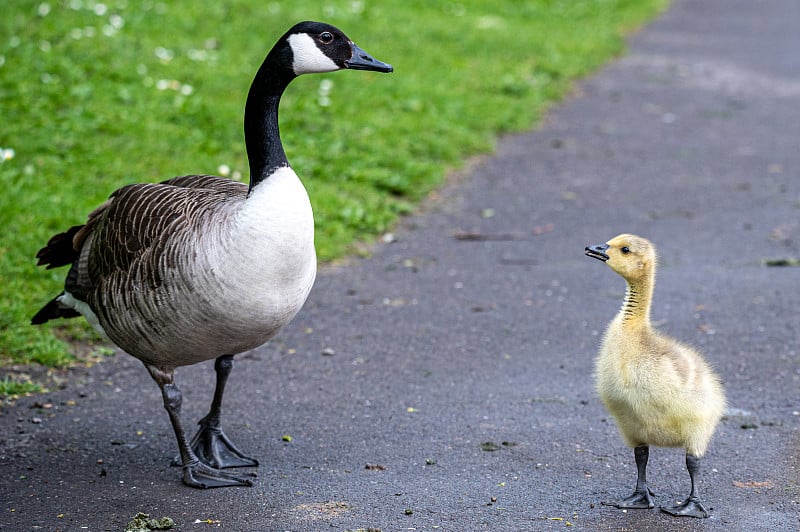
column 195, row 473
column 642, row 496
column 691, row 507
column 210, row 444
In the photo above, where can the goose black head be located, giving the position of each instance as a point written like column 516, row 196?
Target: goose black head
column 319, row 47
column 630, row 256
column 307, row 48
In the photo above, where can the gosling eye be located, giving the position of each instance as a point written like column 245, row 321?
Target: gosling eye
column 625, row 250
column 326, row 37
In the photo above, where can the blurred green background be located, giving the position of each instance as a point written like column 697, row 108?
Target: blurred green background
column 96, row 95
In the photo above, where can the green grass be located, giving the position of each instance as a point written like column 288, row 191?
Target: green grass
column 97, row 95
column 11, row 388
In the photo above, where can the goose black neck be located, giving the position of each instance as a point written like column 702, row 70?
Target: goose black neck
column 261, row 133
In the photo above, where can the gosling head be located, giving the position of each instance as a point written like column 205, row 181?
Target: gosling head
column 631, row 256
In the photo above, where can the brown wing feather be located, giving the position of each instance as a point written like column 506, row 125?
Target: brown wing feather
column 62, row 249
column 140, row 217
column 220, row 184
column 126, row 234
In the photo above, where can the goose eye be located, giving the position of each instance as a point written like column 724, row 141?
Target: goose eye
column 326, row 37
column 625, row 250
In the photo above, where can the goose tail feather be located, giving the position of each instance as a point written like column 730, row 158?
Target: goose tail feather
column 53, row 310
column 60, row 249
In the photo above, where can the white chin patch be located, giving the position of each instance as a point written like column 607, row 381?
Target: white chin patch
column 308, row 59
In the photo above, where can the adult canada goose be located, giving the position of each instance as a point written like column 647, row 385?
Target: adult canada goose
column 201, row 267
column 659, row 391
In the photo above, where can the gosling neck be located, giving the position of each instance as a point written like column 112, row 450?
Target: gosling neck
column 261, row 133
column 635, row 311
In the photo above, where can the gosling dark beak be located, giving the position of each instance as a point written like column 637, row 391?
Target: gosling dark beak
column 361, row 60
column 598, row 252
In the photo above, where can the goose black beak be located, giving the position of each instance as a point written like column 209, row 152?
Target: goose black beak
column 597, row 251
column 361, row 60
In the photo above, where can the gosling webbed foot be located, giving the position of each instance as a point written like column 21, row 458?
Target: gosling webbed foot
column 638, row 500
column 213, row 448
column 691, row 507
column 196, row 474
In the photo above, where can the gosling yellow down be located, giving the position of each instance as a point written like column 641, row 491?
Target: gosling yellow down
column 659, row 391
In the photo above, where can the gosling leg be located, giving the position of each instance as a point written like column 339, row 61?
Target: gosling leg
column 210, row 444
column 691, row 507
column 195, row 473
column 642, row 496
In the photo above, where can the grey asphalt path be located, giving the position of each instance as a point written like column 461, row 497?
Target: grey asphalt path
column 402, row 367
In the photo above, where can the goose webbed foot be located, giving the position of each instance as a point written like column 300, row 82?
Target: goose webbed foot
column 210, row 444
column 196, row 474
column 639, row 499
column 691, row 507
column 215, row 449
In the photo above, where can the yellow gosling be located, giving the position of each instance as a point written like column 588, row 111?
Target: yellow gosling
column 659, row 391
